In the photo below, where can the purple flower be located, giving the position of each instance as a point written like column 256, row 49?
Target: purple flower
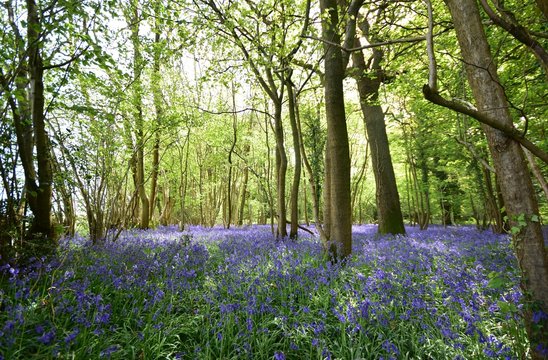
column 542, row 349
column 390, row 347
column 109, row 351
column 47, row 337
column 70, row 337
column 539, row 316
column 278, row 355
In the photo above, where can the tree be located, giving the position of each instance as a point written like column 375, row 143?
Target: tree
column 338, row 212
column 39, row 45
column 265, row 74
column 369, row 78
column 508, row 158
column 138, row 145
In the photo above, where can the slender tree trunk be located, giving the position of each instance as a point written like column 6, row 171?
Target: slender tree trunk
column 536, row 171
column 337, row 137
column 305, row 205
column 326, row 235
column 493, row 205
column 159, row 115
column 281, row 170
column 139, row 119
column 312, row 181
column 243, row 197
column 230, row 152
column 510, row 164
column 268, row 175
column 42, row 227
column 294, row 205
column 359, row 180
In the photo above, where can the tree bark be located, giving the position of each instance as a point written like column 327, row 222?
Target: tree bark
column 338, row 169
column 387, row 196
column 139, row 119
column 294, row 204
column 543, row 6
column 510, row 164
column 281, row 170
column 42, row 227
column 313, row 181
column 537, row 172
column 157, row 95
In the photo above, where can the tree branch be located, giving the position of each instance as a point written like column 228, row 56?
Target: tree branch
column 74, row 57
column 350, row 32
column 432, row 71
column 520, row 34
column 509, row 131
column 472, row 150
column 369, row 46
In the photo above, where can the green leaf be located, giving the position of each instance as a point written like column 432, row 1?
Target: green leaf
column 507, row 308
column 497, row 281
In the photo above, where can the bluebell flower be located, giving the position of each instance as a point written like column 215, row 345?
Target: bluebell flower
column 539, row 316
column 47, row 337
column 70, row 337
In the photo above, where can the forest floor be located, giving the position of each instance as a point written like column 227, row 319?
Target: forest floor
column 443, row 293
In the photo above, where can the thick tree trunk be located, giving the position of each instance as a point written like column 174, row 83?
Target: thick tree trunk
column 543, row 6
column 387, row 197
column 337, row 137
column 510, row 164
column 294, row 204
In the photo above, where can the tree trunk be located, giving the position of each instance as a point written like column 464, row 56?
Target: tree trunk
column 313, row 181
column 543, row 6
column 338, row 171
column 387, row 197
column 326, row 234
column 157, row 95
column 305, row 204
column 42, row 227
column 536, row 171
column 294, row 205
column 139, row 119
column 281, row 170
column 243, row 197
column 511, row 167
